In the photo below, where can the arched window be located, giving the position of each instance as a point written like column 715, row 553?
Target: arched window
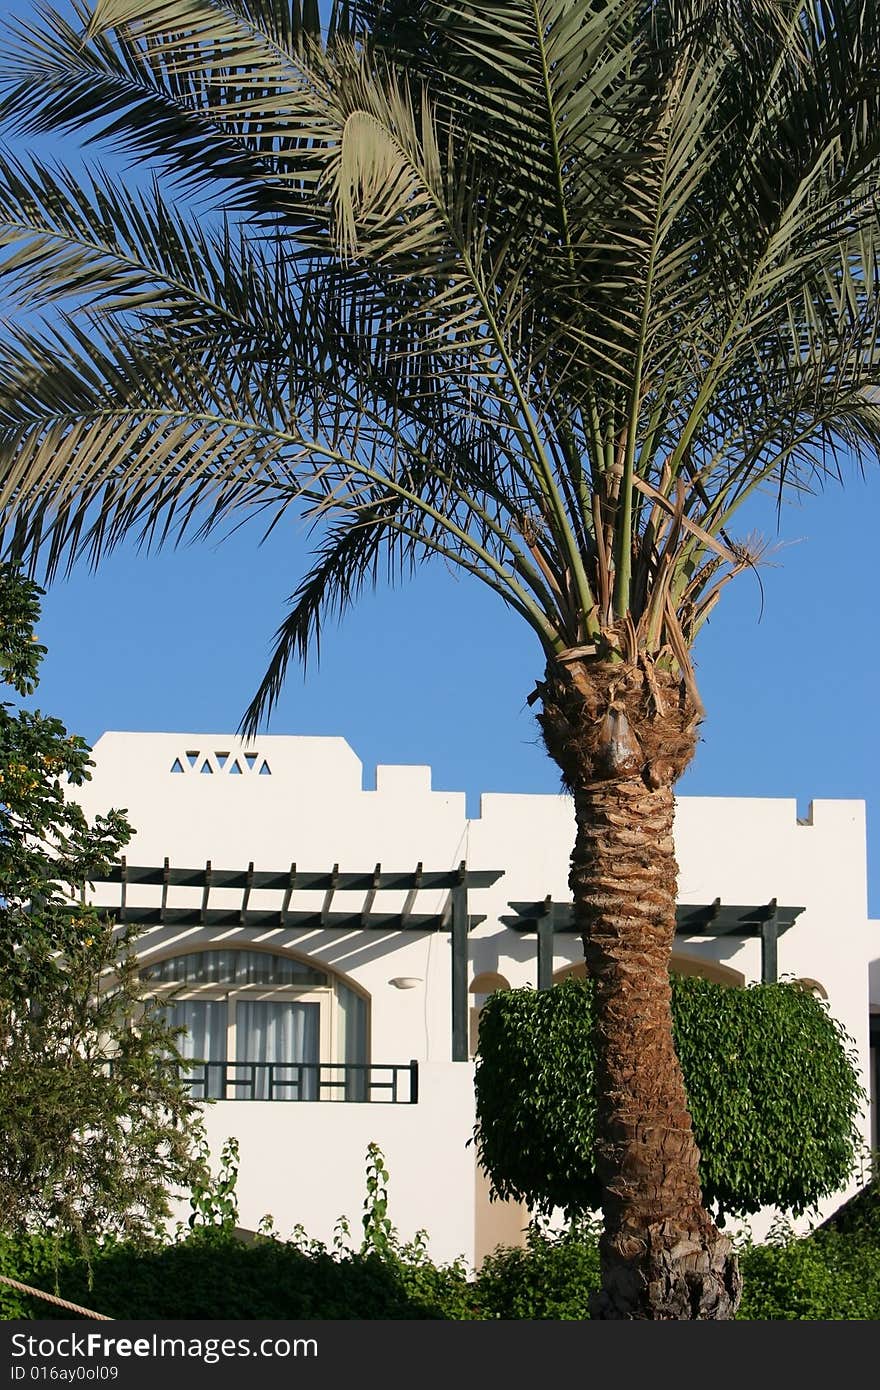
column 249, row 1006
column 812, row 987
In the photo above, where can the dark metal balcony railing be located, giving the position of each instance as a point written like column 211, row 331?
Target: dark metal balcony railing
column 384, row 1083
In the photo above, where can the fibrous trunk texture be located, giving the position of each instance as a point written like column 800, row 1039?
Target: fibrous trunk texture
column 622, row 736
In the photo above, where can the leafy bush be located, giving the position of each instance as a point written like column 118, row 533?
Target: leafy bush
column 860, row 1215
column 211, row 1275
column 774, row 1093
column 44, row 1261
column 771, row 1081
column 218, row 1276
column 551, row 1278
column 829, row 1275
column 209, row 1272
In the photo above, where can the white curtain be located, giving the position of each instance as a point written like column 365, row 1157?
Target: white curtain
column 285, row 1032
column 352, row 1041
column 205, row 1038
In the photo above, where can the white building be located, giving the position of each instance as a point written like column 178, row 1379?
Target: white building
column 261, row 875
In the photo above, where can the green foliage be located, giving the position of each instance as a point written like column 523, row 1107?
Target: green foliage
column 94, row 1123
column 830, row 1275
column 208, row 1273
column 826, row 1275
column 213, row 1200
column 553, row 1276
column 205, row 1278
column 378, row 1231
column 861, row 1214
column 95, row 1129
column 44, row 1261
column 774, row 1094
column 770, row 1076
column 536, row 1097
column 44, row 837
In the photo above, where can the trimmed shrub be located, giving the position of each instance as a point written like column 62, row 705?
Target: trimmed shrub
column 211, row 1273
column 771, row 1081
column 830, row 1275
column 218, row 1276
column 551, row 1278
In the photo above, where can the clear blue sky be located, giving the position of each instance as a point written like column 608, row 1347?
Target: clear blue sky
column 439, row 672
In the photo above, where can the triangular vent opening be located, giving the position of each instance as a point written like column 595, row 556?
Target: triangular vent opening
column 207, row 769
column 192, row 758
column 177, row 765
column 221, row 760
column 265, row 770
column 235, row 770
column 250, row 759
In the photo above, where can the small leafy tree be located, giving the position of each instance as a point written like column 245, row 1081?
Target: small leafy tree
column 213, row 1199
column 95, row 1122
column 770, row 1077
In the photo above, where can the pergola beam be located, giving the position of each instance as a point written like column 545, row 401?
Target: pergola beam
column 304, row 919
column 378, row 879
column 767, row 921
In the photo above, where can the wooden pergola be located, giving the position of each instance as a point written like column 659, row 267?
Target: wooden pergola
column 453, row 917
column 767, row 921
column 545, row 918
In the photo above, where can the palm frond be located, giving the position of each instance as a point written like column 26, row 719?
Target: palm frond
column 545, row 290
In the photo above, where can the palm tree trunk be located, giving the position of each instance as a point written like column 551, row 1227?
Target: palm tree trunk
column 622, row 736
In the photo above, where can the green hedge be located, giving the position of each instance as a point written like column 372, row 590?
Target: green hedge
column 218, row 1276
column 828, row 1275
column 551, row 1278
column 209, row 1272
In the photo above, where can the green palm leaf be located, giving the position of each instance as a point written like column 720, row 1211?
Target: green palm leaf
column 541, row 289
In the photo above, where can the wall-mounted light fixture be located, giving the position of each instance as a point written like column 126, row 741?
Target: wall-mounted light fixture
column 405, row 981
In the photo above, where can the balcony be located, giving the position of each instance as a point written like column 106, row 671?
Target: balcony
column 392, row 1083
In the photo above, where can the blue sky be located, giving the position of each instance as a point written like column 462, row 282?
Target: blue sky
column 439, row 672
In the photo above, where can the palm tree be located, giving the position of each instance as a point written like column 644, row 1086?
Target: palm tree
column 544, row 288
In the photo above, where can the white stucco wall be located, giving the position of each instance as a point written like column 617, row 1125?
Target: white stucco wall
column 305, row 1163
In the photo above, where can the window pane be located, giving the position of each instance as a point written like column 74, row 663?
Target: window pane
column 233, row 967
column 205, row 1039
column 282, row 1034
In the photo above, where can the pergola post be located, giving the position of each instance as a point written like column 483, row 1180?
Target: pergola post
column 769, row 944
column 546, row 925
column 459, row 935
